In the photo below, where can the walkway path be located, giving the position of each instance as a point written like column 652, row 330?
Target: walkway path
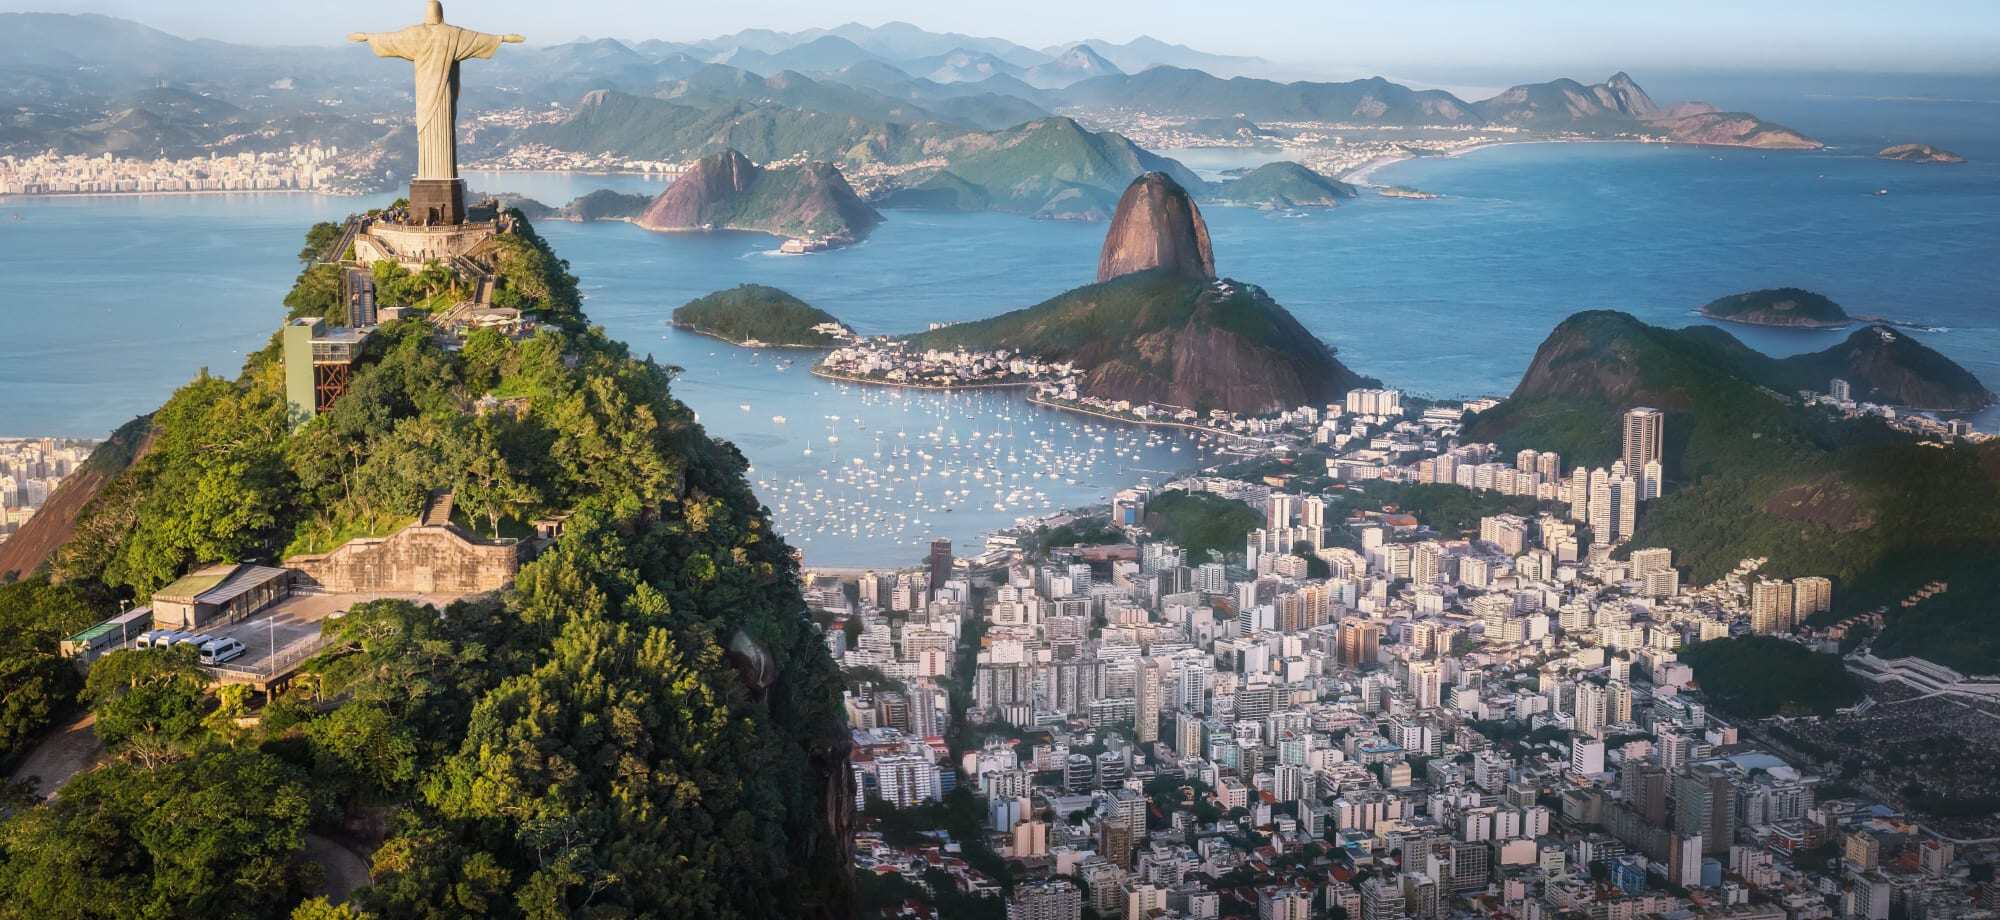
column 62, row 753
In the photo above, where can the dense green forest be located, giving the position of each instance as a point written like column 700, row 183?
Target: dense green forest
column 1201, row 523
column 1758, row 676
column 580, row 744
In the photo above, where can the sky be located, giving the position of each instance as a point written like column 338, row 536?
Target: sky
column 1465, row 40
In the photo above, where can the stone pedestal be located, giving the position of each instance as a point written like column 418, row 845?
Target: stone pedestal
column 437, row 202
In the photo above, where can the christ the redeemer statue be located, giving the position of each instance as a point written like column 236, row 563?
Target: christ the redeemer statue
column 436, row 48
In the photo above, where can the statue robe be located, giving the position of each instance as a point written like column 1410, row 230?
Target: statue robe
column 436, row 51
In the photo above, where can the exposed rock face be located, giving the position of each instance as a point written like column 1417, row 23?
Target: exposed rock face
column 55, row 524
column 1156, row 226
column 725, row 191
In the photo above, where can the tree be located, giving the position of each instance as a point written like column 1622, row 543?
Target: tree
column 488, row 485
column 217, row 836
column 365, row 745
column 148, row 702
column 35, row 683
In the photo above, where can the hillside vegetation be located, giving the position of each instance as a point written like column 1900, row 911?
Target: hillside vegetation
column 581, row 744
column 1753, row 473
column 1201, row 523
column 1157, row 336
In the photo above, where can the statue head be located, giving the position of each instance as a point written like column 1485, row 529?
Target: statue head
column 435, row 14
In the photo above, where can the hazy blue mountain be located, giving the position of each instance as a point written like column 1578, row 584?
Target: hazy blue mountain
column 1180, row 91
column 830, row 52
column 901, row 41
column 1147, row 52
column 961, row 66
column 1075, row 65
column 1566, row 104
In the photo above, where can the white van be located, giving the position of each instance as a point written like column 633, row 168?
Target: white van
column 160, row 638
column 217, row 651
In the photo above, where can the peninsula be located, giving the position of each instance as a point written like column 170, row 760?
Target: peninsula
column 756, row 315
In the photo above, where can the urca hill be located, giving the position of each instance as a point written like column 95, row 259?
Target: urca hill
column 1160, row 327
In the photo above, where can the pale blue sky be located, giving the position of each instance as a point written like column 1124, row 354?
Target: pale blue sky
column 1413, row 37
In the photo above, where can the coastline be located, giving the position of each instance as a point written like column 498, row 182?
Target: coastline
column 897, row 384
column 718, row 337
column 1144, row 423
column 179, row 193
column 1363, row 174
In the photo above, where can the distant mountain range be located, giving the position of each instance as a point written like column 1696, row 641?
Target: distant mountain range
column 961, row 121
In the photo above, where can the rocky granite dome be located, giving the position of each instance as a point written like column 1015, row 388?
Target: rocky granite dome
column 1919, row 153
column 1156, row 226
column 725, row 191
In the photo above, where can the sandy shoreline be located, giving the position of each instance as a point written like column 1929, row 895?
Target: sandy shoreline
column 1361, row 175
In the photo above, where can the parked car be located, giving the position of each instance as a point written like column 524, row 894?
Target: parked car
column 217, row 651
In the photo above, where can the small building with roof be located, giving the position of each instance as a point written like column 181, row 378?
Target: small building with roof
column 220, row 593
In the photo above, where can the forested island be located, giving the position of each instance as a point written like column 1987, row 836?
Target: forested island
column 1787, row 307
column 756, row 315
column 1285, row 184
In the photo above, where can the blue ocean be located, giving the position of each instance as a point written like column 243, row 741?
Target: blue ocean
column 107, row 304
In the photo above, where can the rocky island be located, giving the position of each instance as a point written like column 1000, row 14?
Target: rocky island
column 1159, row 328
column 725, row 191
column 1918, row 153
column 756, row 315
column 1793, row 308
column 1401, row 191
column 1285, row 184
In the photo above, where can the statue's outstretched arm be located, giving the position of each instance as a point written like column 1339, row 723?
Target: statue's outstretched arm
column 385, row 44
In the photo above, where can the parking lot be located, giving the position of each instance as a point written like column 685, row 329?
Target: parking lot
column 279, row 637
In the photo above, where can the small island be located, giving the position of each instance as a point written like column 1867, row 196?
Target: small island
column 760, row 316
column 1285, row 184
column 1919, row 153
column 1791, row 308
column 605, row 204
column 1398, row 191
